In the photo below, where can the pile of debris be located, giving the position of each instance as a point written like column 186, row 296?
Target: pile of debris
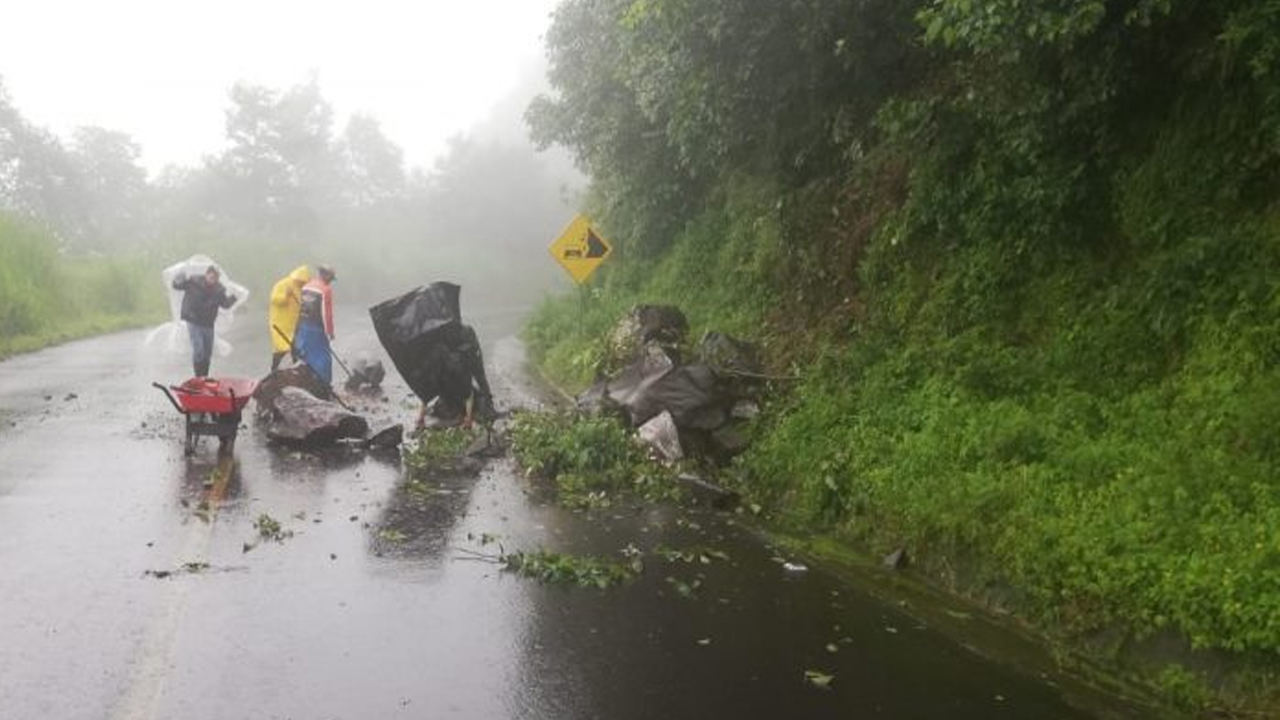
column 301, row 410
column 679, row 409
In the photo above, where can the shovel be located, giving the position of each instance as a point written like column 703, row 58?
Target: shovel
column 336, row 399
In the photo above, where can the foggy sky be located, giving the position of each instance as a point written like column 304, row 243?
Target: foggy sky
column 160, row 69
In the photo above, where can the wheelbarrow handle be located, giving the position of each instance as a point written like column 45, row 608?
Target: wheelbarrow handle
column 169, row 395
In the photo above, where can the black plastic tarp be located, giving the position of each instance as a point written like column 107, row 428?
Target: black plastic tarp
column 436, row 354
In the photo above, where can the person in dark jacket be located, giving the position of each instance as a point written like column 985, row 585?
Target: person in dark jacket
column 202, row 298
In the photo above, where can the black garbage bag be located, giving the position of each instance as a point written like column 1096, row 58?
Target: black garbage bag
column 438, row 356
column 418, row 329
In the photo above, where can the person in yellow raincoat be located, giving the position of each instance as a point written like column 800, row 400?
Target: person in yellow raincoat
column 286, row 303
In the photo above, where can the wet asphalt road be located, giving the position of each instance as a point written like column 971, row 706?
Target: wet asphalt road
column 369, row 610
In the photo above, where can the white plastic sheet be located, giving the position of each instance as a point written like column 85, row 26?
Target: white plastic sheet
column 172, row 336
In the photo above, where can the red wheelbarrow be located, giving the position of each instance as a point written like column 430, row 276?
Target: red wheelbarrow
column 212, row 407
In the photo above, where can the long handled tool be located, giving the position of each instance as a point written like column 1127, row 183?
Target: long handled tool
column 332, row 354
column 289, row 340
column 341, row 364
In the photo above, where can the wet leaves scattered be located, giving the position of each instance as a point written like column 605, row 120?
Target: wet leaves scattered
column 391, row 535
column 575, row 492
column 818, row 679
column 684, row 589
column 686, row 524
column 565, row 569
column 442, row 452
column 485, row 538
column 699, row 554
column 195, row 567
column 268, row 529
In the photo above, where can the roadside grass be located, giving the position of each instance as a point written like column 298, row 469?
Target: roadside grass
column 47, row 298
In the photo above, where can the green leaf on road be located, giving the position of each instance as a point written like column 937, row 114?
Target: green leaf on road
column 818, row 679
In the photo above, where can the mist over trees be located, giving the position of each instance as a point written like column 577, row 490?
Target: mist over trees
column 293, row 184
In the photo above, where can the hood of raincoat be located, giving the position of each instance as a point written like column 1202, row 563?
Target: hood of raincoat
column 285, row 304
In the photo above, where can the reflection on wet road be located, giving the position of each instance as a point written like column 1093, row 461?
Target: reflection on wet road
column 366, row 609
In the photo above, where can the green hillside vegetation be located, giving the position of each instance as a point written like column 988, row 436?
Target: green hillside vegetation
column 1025, row 256
column 47, row 298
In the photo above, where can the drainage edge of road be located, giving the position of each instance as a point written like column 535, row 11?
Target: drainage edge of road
column 997, row 635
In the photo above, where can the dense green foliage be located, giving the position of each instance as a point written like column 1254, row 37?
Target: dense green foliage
column 1026, row 255
column 45, row 297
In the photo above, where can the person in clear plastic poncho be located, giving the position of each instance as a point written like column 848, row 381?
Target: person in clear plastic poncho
column 202, row 297
column 174, row 336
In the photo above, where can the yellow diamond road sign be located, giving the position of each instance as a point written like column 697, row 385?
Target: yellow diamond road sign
column 580, row 249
